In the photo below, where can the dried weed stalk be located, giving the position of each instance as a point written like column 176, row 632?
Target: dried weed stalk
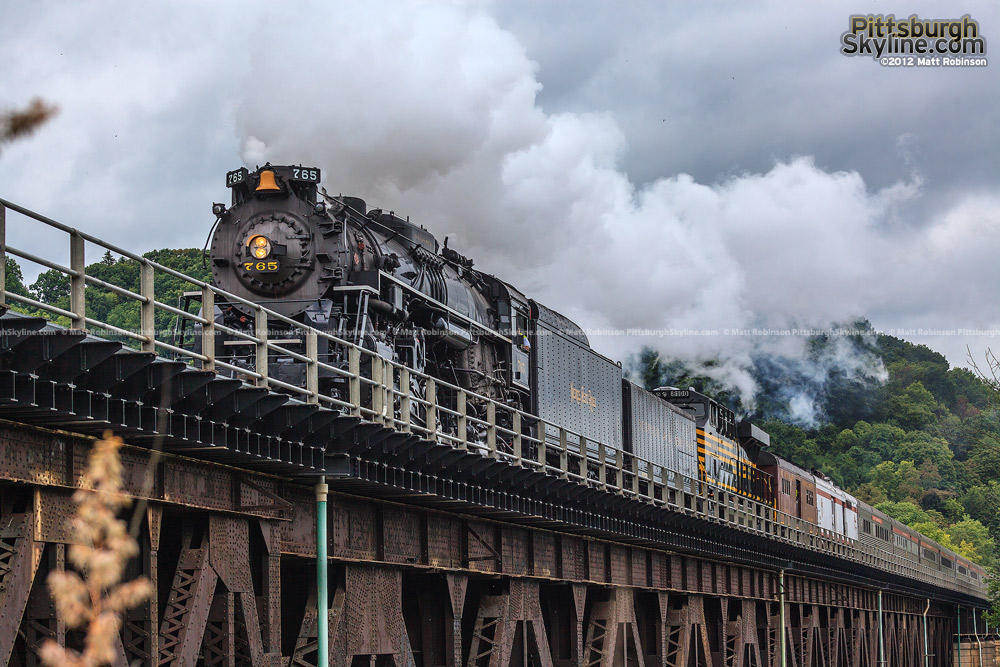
column 96, row 600
column 20, row 123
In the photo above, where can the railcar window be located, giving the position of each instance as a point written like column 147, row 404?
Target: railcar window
column 809, row 497
column 697, row 410
column 946, row 562
column 786, row 487
column 866, row 525
column 963, row 570
column 975, row 575
column 930, row 555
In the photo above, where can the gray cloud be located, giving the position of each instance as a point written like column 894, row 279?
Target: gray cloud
column 712, row 91
column 634, row 167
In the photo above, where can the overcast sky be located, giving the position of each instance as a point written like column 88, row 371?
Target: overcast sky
column 632, row 164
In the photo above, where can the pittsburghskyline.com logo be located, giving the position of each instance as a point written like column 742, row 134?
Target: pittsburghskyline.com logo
column 915, row 42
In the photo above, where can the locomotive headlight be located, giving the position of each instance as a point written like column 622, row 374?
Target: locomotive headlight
column 260, row 247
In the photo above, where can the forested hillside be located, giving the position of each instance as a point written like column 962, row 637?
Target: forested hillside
column 922, row 443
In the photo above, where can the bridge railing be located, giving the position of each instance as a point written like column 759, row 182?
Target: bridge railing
column 383, row 391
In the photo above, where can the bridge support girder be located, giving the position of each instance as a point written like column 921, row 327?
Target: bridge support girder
column 231, row 558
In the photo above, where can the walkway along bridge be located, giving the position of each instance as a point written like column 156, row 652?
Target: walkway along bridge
column 438, row 550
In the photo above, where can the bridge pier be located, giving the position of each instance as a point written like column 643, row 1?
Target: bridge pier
column 613, row 632
column 216, row 610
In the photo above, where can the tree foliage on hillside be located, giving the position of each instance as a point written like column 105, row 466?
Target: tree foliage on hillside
column 923, row 445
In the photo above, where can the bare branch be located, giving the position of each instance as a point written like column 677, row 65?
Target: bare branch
column 992, row 377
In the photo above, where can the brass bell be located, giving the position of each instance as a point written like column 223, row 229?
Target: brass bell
column 267, row 182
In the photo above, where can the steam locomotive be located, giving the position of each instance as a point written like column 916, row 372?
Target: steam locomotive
column 376, row 279
column 371, row 277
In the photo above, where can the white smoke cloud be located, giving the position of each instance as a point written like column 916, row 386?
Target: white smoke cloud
column 431, row 110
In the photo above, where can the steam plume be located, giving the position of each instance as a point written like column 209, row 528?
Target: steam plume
column 431, row 110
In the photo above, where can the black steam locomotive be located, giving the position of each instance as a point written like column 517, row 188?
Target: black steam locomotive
column 369, row 277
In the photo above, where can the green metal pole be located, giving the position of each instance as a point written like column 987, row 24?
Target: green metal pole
column 926, row 656
column 975, row 630
column 781, row 599
column 881, row 636
column 322, row 592
column 959, row 635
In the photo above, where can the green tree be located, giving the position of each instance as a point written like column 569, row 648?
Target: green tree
column 794, row 444
column 977, row 536
column 935, row 532
column 881, row 438
column 857, row 466
column 952, row 510
column 914, row 408
column 993, row 593
column 13, row 278
column 920, row 446
column 899, row 481
column 871, row 494
column 984, row 463
column 905, row 512
column 51, row 287
column 983, row 503
column 972, row 394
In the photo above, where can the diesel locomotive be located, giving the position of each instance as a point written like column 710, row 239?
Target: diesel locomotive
column 374, row 278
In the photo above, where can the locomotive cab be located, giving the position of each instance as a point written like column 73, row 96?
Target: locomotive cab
column 715, row 419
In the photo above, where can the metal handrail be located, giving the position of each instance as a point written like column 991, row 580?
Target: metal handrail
column 578, row 457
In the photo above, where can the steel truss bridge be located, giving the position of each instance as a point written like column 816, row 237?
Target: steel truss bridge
column 440, row 550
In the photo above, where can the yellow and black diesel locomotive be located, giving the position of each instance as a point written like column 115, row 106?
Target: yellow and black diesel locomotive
column 724, row 457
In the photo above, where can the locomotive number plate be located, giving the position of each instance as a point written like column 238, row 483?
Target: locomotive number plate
column 261, row 267
column 305, row 174
column 236, row 177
